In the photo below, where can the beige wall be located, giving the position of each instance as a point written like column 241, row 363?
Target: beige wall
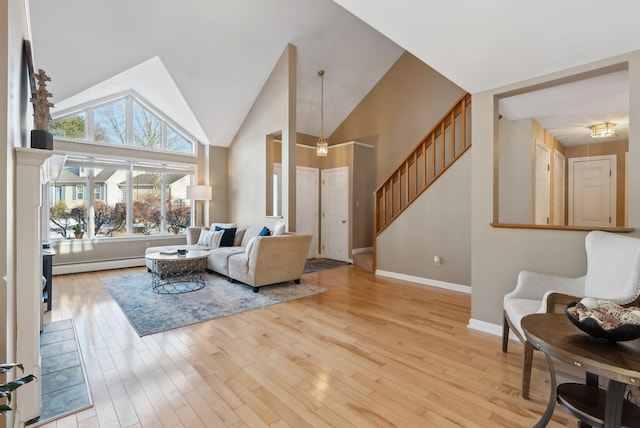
column 515, row 171
column 270, row 115
column 364, row 179
column 499, row 254
column 437, row 224
column 360, row 159
column 398, row 112
column 218, row 178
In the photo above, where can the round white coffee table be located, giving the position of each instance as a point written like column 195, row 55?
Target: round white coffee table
column 175, row 273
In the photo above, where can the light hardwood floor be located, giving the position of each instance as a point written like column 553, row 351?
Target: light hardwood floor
column 369, row 352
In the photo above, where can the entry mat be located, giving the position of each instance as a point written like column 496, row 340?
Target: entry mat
column 63, row 380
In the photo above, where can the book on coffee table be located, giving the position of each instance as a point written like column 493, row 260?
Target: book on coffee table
column 169, row 252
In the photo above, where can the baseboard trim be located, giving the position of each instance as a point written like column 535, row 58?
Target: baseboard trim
column 96, row 266
column 426, row 281
column 490, row 328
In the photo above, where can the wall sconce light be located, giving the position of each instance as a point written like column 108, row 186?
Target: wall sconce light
column 603, row 130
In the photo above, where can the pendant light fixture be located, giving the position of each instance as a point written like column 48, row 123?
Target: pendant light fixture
column 322, row 148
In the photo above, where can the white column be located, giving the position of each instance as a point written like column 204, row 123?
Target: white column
column 30, row 176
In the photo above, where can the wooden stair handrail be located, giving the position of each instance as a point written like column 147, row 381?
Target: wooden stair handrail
column 389, row 203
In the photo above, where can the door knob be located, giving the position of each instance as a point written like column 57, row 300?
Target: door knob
column 344, row 221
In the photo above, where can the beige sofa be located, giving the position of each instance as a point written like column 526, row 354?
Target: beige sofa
column 254, row 260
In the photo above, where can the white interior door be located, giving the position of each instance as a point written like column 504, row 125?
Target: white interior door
column 592, row 191
column 335, row 213
column 559, row 187
column 307, row 190
column 542, row 192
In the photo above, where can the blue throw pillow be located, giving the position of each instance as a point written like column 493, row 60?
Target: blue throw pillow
column 228, row 236
column 265, row 231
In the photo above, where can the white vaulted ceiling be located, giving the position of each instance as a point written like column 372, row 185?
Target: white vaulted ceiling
column 482, row 45
column 218, row 53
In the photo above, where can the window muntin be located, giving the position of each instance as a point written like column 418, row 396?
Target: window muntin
column 126, row 121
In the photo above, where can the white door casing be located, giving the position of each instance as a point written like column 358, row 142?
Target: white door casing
column 307, row 190
column 559, row 187
column 335, row 213
column 541, row 202
column 592, row 191
column 277, row 189
column 626, row 189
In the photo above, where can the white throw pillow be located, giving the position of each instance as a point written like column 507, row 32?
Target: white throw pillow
column 250, row 245
column 210, row 239
column 278, row 229
column 204, row 238
column 216, row 238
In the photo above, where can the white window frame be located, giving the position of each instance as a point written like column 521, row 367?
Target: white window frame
column 89, row 163
column 130, row 96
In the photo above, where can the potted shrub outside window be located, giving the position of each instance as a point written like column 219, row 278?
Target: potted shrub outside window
column 77, row 231
column 175, row 228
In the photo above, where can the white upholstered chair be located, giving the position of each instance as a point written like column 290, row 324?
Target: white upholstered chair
column 613, row 273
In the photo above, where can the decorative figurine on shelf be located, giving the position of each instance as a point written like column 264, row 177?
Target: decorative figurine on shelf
column 40, row 137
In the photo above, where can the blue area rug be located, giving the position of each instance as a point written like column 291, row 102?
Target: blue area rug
column 150, row 313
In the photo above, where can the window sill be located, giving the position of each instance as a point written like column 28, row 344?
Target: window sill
column 101, row 239
column 568, row 228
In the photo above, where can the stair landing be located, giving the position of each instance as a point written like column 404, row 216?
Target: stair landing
column 364, row 260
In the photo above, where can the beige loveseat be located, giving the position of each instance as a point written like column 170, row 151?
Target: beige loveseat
column 254, row 260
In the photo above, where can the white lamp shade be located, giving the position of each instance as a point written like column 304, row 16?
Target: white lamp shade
column 199, row 192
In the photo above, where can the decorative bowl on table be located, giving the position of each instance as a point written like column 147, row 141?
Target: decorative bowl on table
column 606, row 321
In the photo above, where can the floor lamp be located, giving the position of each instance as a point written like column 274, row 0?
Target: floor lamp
column 199, row 192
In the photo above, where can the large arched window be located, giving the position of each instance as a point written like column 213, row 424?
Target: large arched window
column 125, row 120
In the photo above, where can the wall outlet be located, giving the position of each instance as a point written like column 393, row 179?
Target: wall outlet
column 437, row 260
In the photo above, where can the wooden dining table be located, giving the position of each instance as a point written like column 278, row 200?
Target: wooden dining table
column 618, row 362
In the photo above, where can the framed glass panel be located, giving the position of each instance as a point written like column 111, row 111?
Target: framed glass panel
column 73, row 126
column 109, row 205
column 178, row 208
column 67, row 210
column 110, row 122
column 177, row 143
column 146, row 202
column 147, row 128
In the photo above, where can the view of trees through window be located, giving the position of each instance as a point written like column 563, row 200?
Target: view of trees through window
column 125, row 121
column 107, row 212
column 73, row 126
column 132, row 197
